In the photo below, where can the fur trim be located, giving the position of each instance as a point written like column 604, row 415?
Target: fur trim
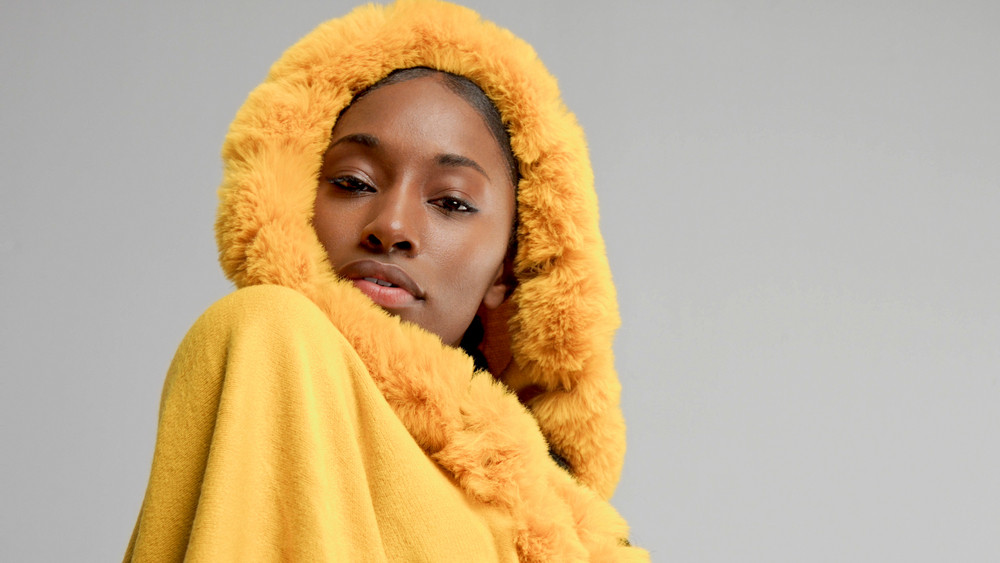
column 561, row 317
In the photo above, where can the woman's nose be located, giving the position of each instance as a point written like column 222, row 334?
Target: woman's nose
column 396, row 223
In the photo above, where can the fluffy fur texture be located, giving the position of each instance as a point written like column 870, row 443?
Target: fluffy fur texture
column 555, row 332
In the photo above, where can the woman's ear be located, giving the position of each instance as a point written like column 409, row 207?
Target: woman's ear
column 503, row 285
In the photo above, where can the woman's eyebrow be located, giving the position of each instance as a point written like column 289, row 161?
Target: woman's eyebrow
column 363, row 139
column 450, row 159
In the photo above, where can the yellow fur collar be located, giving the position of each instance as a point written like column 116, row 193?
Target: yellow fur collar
column 555, row 332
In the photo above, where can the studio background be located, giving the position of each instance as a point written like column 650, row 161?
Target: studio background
column 801, row 202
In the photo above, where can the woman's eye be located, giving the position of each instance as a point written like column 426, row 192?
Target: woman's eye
column 350, row 184
column 453, row 204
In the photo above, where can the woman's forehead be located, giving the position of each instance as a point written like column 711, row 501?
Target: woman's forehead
column 421, row 115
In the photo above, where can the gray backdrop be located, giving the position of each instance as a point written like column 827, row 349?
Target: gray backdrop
column 800, row 201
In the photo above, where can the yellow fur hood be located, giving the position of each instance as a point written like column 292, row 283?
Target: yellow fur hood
column 553, row 336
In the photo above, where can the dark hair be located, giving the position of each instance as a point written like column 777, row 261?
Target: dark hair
column 468, row 91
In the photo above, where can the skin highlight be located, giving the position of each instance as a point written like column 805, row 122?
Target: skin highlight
column 415, row 205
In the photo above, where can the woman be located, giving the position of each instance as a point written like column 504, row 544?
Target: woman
column 463, row 404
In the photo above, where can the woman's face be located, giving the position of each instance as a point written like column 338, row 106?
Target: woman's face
column 415, row 205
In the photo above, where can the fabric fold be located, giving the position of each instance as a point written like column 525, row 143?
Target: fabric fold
column 274, row 444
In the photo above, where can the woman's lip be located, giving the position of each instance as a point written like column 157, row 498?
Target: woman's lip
column 357, row 270
column 386, row 297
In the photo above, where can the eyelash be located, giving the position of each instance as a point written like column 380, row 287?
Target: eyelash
column 454, row 205
column 350, row 184
column 447, row 204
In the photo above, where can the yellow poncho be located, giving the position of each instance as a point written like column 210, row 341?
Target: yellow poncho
column 301, row 422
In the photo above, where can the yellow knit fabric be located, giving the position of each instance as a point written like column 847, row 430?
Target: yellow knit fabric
column 274, row 444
